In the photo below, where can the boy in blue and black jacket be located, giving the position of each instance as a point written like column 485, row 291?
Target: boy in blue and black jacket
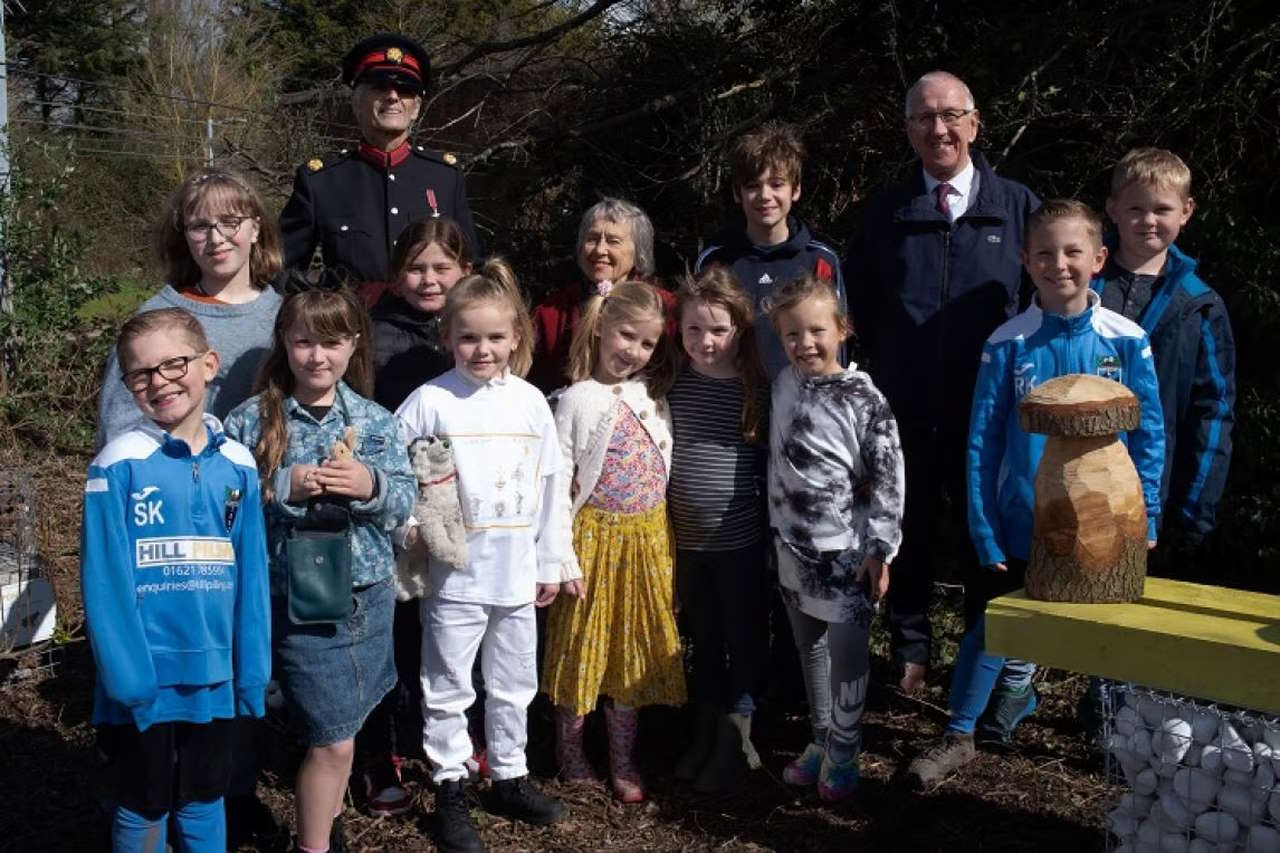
column 1152, row 283
column 770, row 246
column 174, row 580
column 1065, row 330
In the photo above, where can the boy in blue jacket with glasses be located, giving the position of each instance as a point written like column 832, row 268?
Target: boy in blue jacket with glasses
column 174, row 580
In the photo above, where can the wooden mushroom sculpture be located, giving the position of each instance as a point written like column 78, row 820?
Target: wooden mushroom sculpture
column 1089, row 537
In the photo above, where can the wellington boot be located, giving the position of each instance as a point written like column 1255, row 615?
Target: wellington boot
column 727, row 765
column 704, row 738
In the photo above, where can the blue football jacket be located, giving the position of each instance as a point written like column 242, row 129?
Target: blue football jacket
column 1030, row 349
column 174, row 578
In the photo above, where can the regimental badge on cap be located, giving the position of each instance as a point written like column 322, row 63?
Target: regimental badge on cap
column 450, row 158
column 395, row 54
column 315, row 164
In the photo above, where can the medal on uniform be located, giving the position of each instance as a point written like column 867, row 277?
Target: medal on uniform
column 431, row 200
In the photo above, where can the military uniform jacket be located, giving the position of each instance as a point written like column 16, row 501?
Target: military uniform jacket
column 354, row 204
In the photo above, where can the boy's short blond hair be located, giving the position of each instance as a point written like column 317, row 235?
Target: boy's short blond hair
column 1152, row 166
column 775, row 146
column 1056, row 209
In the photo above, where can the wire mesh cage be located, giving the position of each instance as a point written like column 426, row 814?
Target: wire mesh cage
column 27, row 610
column 1196, row 777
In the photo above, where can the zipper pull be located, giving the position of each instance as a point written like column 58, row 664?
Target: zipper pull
column 195, row 471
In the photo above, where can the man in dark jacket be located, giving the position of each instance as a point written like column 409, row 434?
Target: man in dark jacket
column 933, row 269
column 354, row 203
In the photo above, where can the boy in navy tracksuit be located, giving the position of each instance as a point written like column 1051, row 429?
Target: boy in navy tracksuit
column 1066, row 330
column 771, row 247
column 174, row 580
column 1152, row 283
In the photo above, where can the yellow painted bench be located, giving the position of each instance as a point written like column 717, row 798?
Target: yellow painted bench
column 1201, row 641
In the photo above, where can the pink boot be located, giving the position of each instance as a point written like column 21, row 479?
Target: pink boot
column 574, row 767
column 621, row 723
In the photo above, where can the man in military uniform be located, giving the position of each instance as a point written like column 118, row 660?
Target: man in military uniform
column 354, row 203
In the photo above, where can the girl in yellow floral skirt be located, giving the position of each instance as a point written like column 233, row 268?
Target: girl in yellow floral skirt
column 615, row 635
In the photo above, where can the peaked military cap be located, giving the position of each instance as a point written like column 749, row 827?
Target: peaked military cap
column 388, row 58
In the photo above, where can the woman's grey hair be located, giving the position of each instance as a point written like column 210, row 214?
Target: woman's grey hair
column 938, row 77
column 617, row 210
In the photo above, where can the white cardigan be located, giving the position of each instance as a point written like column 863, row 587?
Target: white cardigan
column 586, row 417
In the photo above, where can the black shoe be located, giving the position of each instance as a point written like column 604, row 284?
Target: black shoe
column 518, row 799
column 337, row 837
column 455, row 833
column 1005, row 710
column 249, row 821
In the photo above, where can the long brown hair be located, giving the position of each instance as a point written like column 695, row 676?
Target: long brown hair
column 495, row 281
column 414, row 239
column 328, row 315
column 718, row 286
column 627, row 301
column 227, row 191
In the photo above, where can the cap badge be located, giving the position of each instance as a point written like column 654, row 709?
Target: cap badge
column 395, row 54
column 315, row 164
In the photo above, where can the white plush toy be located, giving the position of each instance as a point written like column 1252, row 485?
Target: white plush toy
column 443, row 536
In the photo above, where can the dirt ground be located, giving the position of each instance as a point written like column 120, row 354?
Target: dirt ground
column 1044, row 795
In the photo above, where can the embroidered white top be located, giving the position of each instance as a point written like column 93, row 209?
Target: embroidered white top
column 512, row 481
column 586, row 417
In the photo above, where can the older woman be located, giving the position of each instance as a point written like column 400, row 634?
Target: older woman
column 615, row 243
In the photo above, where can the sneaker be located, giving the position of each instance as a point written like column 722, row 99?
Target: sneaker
column 837, row 782
column 519, row 799
column 383, row 789
column 337, row 837
column 951, row 752
column 1005, row 710
column 455, row 833
column 804, row 770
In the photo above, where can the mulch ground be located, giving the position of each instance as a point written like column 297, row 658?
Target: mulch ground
column 1044, row 795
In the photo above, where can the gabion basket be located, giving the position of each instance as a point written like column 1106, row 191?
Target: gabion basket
column 1196, row 777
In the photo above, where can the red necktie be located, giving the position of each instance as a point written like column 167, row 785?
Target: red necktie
column 944, row 204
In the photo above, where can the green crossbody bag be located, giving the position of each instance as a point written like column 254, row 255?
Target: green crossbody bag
column 319, row 576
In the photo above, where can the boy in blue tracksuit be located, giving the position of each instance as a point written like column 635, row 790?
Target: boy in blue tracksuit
column 770, row 246
column 1066, row 330
column 1152, row 283
column 174, row 581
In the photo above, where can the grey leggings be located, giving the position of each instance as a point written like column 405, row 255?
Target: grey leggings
column 835, row 663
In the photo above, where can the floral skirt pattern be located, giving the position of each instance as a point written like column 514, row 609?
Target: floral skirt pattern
column 621, row 641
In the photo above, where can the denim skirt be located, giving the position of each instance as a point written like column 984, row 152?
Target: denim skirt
column 332, row 676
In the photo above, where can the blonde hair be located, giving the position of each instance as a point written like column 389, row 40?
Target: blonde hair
column 177, row 320
column 717, row 285
column 808, row 286
column 328, row 314
column 495, row 281
column 227, row 190
column 1056, row 209
column 628, row 301
column 1154, row 167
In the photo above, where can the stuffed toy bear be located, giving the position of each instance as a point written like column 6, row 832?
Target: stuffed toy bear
column 346, row 447
column 443, row 536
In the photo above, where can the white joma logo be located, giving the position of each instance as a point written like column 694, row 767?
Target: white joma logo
column 146, row 492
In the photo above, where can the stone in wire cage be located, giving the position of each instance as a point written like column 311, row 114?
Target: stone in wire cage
column 1190, row 775
column 27, row 612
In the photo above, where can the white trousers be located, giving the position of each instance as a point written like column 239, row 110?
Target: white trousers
column 506, row 639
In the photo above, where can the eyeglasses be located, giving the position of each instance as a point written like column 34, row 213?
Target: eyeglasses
column 227, row 226
column 951, row 118
column 170, row 368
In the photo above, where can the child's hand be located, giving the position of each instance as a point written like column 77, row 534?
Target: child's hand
column 546, row 594
column 413, row 536
column 345, row 477
column 575, row 588
column 878, row 573
column 998, row 567
column 303, row 484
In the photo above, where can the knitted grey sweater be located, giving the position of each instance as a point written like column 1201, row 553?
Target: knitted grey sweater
column 241, row 334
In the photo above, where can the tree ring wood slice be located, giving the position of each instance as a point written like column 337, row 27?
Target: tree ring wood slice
column 1079, row 404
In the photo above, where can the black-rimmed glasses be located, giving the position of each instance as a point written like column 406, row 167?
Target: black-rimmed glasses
column 170, row 368
column 951, row 118
column 227, row 226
